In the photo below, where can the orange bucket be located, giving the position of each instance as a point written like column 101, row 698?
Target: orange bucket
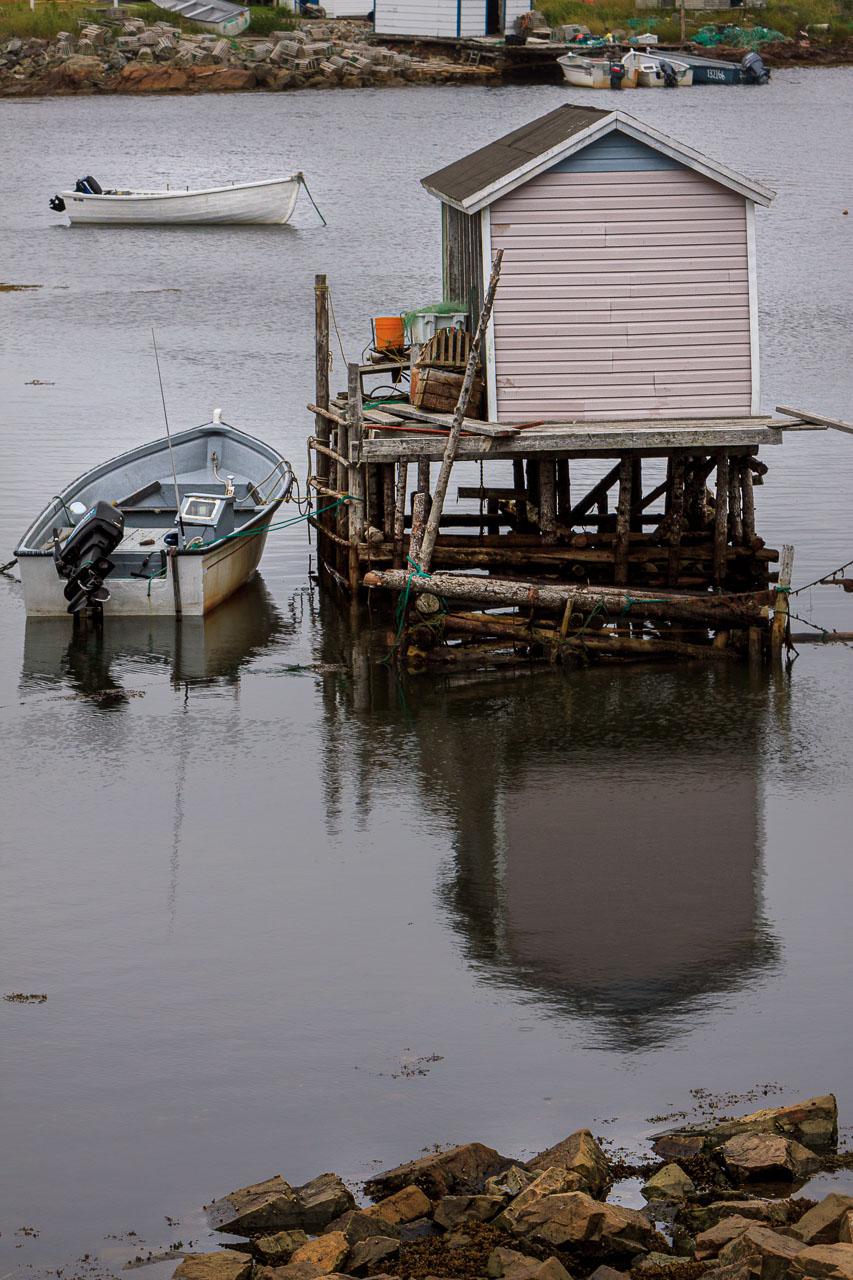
column 388, row 331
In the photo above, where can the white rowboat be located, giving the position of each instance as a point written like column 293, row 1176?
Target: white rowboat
column 270, row 202
column 647, row 68
column 594, row 73
column 114, row 538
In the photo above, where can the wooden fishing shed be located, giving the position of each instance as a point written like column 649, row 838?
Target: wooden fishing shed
column 629, row 276
column 613, row 513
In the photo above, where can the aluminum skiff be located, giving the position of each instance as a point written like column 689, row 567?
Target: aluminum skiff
column 269, row 203
column 229, row 487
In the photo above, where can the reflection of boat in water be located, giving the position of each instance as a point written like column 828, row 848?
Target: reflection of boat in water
column 69, row 653
column 606, row 833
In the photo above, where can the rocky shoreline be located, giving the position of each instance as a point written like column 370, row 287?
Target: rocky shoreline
column 134, row 57
column 138, row 58
column 719, row 1207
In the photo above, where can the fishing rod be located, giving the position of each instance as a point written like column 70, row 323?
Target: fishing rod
column 169, row 438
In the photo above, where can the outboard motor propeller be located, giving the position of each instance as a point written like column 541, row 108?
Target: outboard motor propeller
column 89, row 186
column 617, row 75
column 670, row 75
column 753, row 70
column 84, row 557
column 56, row 202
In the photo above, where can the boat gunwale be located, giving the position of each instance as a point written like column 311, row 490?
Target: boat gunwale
column 149, row 449
column 114, row 196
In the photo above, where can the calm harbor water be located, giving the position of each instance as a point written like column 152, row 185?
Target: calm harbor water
column 290, row 915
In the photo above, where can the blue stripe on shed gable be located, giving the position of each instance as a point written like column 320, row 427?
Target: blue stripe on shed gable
column 615, row 152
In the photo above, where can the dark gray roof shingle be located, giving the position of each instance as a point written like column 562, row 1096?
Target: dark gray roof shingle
column 464, row 178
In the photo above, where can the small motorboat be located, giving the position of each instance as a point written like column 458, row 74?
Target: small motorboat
column 137, row 536
column 655, row 71
column 750, row 69
column 270, row 202
column 598, row 73
column 712, row 70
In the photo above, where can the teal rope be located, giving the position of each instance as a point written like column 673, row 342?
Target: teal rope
column 400, row 615
column 280, row 524
column 631, row 600
column 161, row 573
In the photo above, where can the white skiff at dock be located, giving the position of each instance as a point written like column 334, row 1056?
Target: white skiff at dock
column 270, row 202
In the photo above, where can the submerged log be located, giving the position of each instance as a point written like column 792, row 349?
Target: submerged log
column 731, row 612
column 599, row 642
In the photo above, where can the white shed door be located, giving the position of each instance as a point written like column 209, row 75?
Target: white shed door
column 622, row 294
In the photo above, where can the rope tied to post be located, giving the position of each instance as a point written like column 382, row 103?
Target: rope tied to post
column 402, row 603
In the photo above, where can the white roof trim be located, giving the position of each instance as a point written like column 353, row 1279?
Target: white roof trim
column 628, row 125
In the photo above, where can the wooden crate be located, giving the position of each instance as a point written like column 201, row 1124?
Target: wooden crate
column 438, row 389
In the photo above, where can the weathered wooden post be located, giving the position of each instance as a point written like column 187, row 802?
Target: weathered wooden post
column 322, row 430
column 721, row 523
column 548, row 501
column 400, row 513
column 420, row 510
column 355, row 482
column 675, row 518
column 623, row 522
column 564, row 489
column 779, row 623
column 748, row 500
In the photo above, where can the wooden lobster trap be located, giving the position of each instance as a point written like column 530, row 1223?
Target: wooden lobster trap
column 438, row 373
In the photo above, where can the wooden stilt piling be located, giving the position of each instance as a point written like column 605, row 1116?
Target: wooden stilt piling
column 548, row 501
column 623, row 521
column 721, row 527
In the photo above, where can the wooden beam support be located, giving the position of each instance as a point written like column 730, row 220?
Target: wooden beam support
column 675, row 518
column 548, row 501
column 623, row 522
column 721, row 524
column 779, row 625
column 571, row 443
column 400, row 514
column 420, row 510
column 389, row 499
column 564, row 489
column 356, row 470
column 747, row 499
column 816, row 420
column 321, row 370
column 702, row 610
column 594, row 496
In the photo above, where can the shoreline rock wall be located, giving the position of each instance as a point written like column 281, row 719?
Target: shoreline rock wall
column 136, row 58
column 721, row 1211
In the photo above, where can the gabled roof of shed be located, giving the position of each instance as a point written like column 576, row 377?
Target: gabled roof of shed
column 485, row 175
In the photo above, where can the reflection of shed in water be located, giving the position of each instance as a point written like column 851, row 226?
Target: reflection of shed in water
column 606, row 834
column 612, row 864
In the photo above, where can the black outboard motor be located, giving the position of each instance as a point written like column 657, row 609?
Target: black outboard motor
column 617, row 75
column 56, row 202
column 89, row 186
column 84, row 557
column 670, row 76
column 753, row 70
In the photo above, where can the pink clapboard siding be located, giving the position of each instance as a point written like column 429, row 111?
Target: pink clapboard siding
column 622, row 294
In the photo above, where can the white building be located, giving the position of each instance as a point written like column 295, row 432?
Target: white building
column 450, row 18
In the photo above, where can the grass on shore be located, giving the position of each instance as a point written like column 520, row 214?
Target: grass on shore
column 48, row 19
column 602, row 16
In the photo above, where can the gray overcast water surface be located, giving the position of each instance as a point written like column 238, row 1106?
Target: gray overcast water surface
column 290, row 921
